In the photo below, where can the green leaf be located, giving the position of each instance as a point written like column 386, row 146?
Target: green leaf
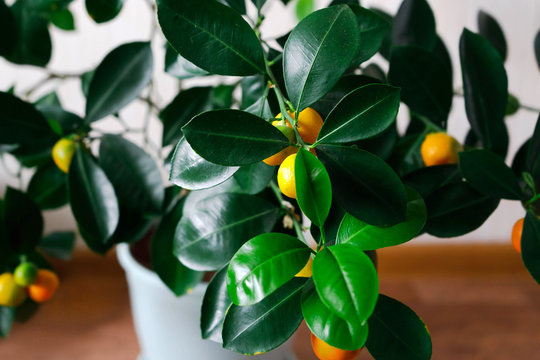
column 373, row 29
column 238, row 5
column 49, row 99
column 414, row 24
column 58, row 244
column 457, row 209
column 208, row 236
column 26, row 311
column 428, row 179
column 396, row 332
column 221, row 29
column 426, row 83
column 537, row 48
column 346, row 282
column 317, row 53
column 485, row 87
column 132, row 226
column 266, row 325
column 216, row 303
column 133, row 173
column 23, row 221
column 364, row 185
column 92, row 198
column 63, row 19
column 103, row 10
column 20, row 122
column 119, row 79
column 530, row 245
column 313, row 188
column 86, row 79
column 363, row 113
column 264, row 264
column 304, row 8
column 254, row 178
column 179, row 67
column 327, row 326
column 190, row 171
column 488, row 174
column 48, row 187
column 489, row 28
column 7, row 26
column 258, row 3
column 233, row 137
column 176, row 276
column 7, row 316
column 67, row 122
column 181, row 109
column 370, row 237
column 533, row 154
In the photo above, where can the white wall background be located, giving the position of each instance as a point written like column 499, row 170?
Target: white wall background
column 76, row 52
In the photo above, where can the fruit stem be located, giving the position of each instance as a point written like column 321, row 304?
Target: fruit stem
column 297, row 226
column 429, row 124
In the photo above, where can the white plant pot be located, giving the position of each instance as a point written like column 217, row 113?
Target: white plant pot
column 167, row 326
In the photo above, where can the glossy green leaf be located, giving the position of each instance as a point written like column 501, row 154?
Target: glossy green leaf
column 414, row 24
column 20, row 122
column 457, row 209
column 63, row 19
column 317, row 53
column 266, row 325
column 428, row 179
column 369, row 237
column 396, row 332
column 133, row 173
column 92, row 198
column 119, row 79
column 208, row 236
column 7, row 316
column 254, row 178
column 176, row 276
column 331, row 225
column 406, row 156
column 533, row 154
column 86, row 79
column 67, row 122
column 221, row 29
column 181, row 109
column 23, row 221
column 58, row 244
column 530, row 245
column 238, row 5
column 179, row 67
column 216, row 303
column 346, row 282
column 103, row 10
column 485, row 87
column 132, row 226
column 313, row 188
column 489, row 28
column 488, row 174
column 233, row 137
column 329, row 327
column 373, row 29
column 304, row 8
column 190, row 171
column 48, row 187
column 364, row 185
column 258, row 3
column 49, row 99
column 7, row 26
column 426, row 84
column 264, row 264
column 363, row 113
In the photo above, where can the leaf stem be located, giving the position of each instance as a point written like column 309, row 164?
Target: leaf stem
column 532, row 200
column 429, row 124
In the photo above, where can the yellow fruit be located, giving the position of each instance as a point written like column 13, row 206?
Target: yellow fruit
column 306, row 270
column 440, row 149
column 309, row 124
column 11, row 294
column 62, row 153
column 325, row 351
column 278, row 158
column 285, row 177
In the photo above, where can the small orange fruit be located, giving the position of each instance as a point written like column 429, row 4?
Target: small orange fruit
column 440, row 149
column 285, row 177
column 309, row 124
column 278, row 158
column 62, row 153
column 44, row 287
column 325, row 351
column 517, row 231
column 11, row 294
column 306, row 270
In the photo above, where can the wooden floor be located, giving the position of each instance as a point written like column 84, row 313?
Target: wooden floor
column 478, row 301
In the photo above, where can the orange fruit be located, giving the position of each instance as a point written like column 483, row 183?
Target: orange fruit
column 285, row 177
column 62, row 153
column 325, row 351
column 517, row 231
column 44, row 287
column 11, row 294
column 278, row 158
column 306, row 270
column 309, row 124
column 440, row 149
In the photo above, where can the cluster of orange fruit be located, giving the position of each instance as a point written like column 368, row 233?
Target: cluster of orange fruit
column 27, row 280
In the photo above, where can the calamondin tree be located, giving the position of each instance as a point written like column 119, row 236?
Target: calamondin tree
column 288, row 176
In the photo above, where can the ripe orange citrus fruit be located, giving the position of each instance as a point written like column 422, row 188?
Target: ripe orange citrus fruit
column 440, row 149
column 306, row 270
column 309, row 124
column 285, row 177
column 62, row 153
column 325, row 351
column 517, row 231
column 44, row 287
column 278, row 158
column 11, row 294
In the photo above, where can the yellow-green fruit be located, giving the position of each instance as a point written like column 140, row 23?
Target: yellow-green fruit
column 11, row 294
column 62, row 153
column 285, row 177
